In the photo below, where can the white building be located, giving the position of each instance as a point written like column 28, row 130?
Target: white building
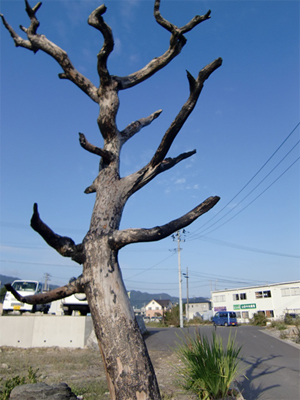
column 274, row 300
column 199, row 309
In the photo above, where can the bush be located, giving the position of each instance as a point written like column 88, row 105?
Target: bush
column 208, row 369
column 197, row 321
column 281, row 326
column 11, row 383
column 172, row 316
column 259, row 319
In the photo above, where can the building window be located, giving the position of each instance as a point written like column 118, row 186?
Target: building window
column 267, row 293
column 285, row 292
column 258, row 295
column 269, row 313
column 238, row 314
column 245, row 314
column 243, row 296
column 219, row 299
column 235, row 297
column 295, row 291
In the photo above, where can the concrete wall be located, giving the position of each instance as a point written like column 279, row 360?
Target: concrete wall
column 47, row 330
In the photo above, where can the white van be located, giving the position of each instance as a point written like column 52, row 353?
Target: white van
column 24, row 288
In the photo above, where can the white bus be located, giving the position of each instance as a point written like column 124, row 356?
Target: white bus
column 24, row 288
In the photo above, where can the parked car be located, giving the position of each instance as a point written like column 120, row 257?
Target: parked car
column 226, row 318
column 24, row 288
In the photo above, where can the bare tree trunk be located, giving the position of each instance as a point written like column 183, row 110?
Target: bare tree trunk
column 129, row 370
column 128, row 367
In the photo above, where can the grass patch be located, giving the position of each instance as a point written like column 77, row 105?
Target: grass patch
column 208, row 368
column 9, row 384
column 90, row 390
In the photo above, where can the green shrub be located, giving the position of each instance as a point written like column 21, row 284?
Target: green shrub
column 208, row 369
column 172, row 316
column 281, row 326
column 283, row 335
column 297, row 328
column 288, row 319
column 259, row 319
column 9, row 384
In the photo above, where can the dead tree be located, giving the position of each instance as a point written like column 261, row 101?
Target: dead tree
column 130, row 374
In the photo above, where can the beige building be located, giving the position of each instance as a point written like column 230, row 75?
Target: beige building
column 198, row 309
column 157, row 307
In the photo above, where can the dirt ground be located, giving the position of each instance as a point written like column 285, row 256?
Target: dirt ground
column 82, row 370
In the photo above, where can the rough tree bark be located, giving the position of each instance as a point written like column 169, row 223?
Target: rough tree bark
column 130, row 374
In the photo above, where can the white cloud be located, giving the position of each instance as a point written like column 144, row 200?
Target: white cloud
column 180, row 181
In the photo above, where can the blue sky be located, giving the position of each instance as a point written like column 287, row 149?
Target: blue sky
column 247, row 110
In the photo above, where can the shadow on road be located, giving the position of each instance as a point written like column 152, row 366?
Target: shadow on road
column 257, row 367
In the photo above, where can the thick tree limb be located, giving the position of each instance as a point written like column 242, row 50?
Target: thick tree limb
column 37, row 42
column 63, row 245
column 136, row 126
column 55, row 294
column 96, row 20
column 177, row 41
column 195, row 90
column 106, row 155
column 122, row 238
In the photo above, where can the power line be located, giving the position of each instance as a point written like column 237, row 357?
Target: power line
column 245, row 197
column 244, row 187
column 153, row 266
column 255, row 197
column 242, row 247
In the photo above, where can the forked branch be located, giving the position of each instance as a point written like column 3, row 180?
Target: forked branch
column 177, row 41
column 37, row 42
column 62, row 244
column 55, row 294
column 122, row 238
column 173, row 28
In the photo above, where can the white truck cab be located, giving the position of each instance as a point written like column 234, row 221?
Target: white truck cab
column 24, row 288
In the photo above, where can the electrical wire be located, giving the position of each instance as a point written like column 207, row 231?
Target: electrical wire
column 247, row 184
column 257, row 197
column 245, row 197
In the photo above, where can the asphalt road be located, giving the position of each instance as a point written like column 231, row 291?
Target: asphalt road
column 270, row 365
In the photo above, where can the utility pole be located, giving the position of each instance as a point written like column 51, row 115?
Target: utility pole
column 47, row 279
column 176, row 237
column 187, row 293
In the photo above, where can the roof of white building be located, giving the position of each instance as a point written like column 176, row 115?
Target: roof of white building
column 256, row 287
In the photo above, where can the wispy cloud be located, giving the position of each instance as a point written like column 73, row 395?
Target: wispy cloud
column 180, row 181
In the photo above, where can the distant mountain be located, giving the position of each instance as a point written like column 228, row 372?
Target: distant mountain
column 140, row 299
column 6, row 279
